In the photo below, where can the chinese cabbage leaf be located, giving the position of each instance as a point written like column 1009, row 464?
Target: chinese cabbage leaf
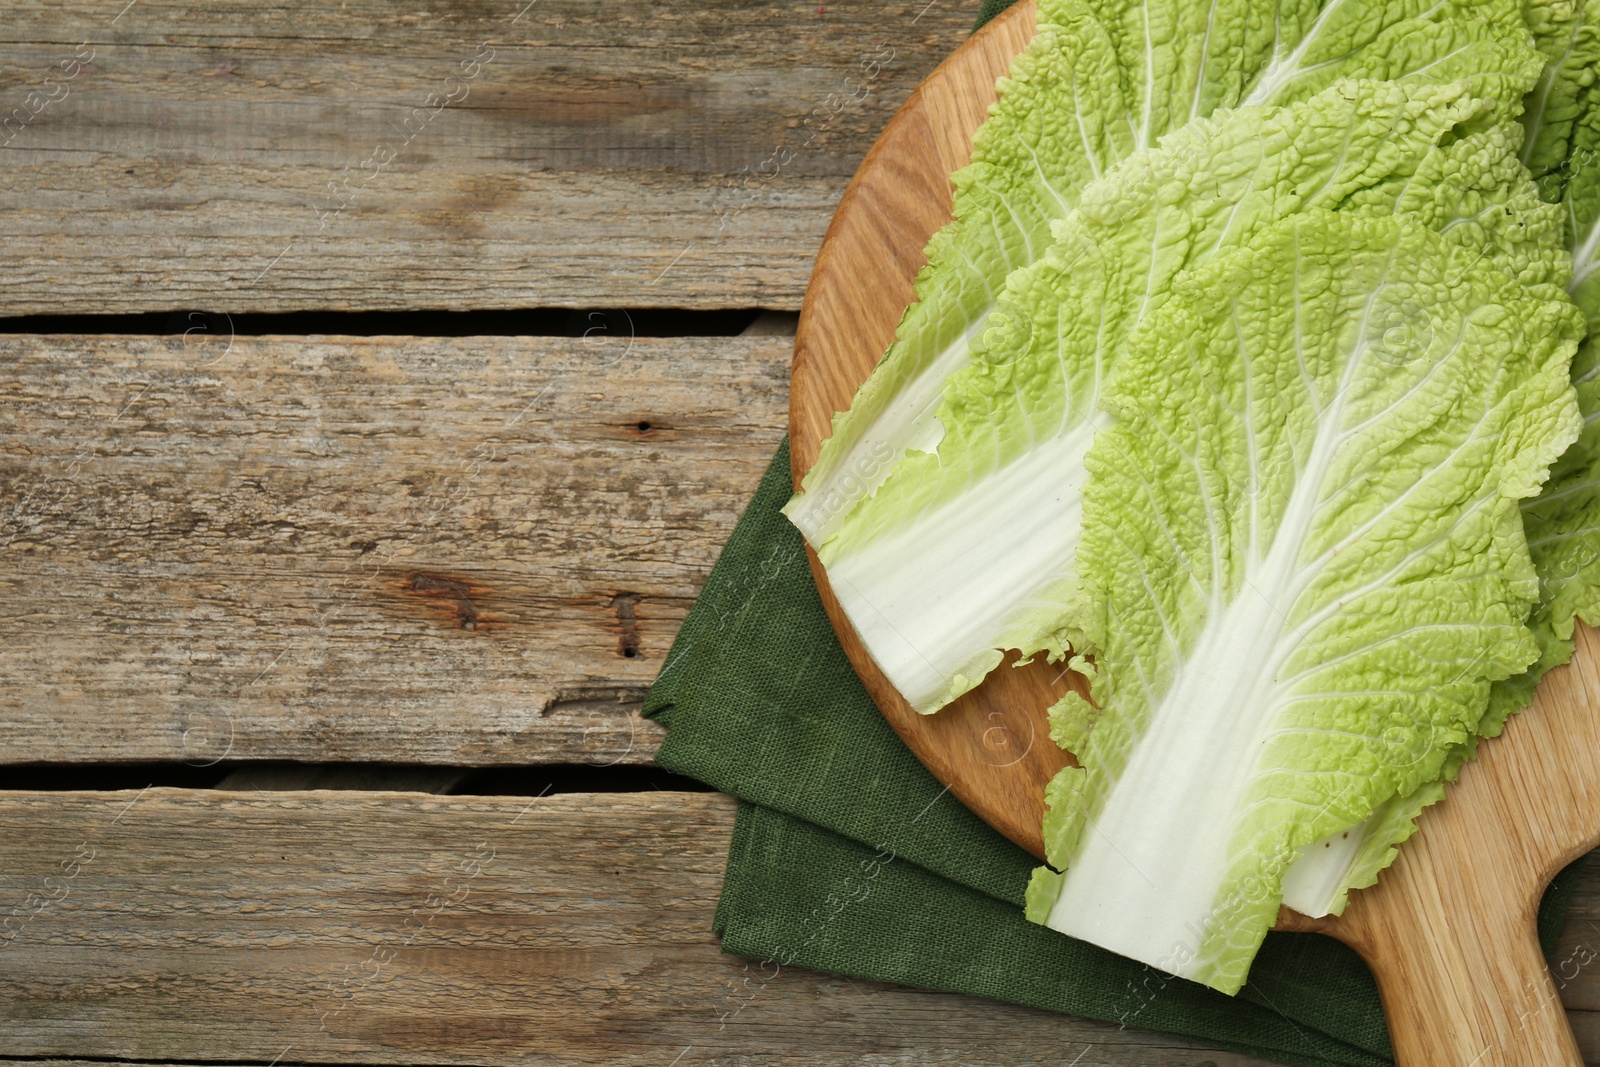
column 1302, row 555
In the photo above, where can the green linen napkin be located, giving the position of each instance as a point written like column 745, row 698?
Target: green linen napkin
column 848, row 857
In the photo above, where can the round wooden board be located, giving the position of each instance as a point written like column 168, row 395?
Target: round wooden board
column 1449, row 929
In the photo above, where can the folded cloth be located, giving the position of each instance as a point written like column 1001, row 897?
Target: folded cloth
column 849, row 857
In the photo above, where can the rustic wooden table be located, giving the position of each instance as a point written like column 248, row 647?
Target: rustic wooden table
column 279, row 597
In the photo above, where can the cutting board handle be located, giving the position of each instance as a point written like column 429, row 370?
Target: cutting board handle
column 1449, row 930
column 1464, row 990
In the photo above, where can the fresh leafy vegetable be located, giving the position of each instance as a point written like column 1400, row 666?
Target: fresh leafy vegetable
column 1412, row 40
column 1562, row 102
column 955, row 558
column 1302, row 556
column 1094, row 86
column 1245, row 376
column 1563, row 522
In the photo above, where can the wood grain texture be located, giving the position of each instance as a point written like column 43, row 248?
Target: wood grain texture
column 1449, row 929
column 991, row 746
column 468, row 154
column 459, row 551
column 209, row 927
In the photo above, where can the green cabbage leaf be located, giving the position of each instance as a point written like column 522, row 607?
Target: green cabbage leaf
column 1097, row 83
column 1302, row 554
column 959, row 545
column 968, row 551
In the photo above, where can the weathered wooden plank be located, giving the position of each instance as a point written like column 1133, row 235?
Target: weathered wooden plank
column 202, row 926
column 459, row 551
column 493, row 153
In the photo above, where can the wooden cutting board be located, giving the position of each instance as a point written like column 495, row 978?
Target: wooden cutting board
column 1449, row 929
